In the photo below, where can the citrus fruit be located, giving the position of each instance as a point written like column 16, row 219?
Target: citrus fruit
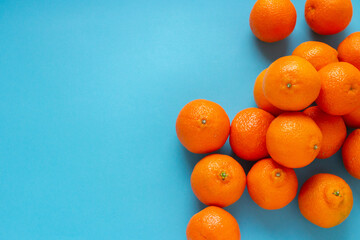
column 293, row 140
column 327, row 17
column 202, row 126
column 291, row 83
column 213, row 223
column 317, row 53
column 325, row 200
column 349, row 49
column 332, row 128
column 248, row 133
column 260, row 98
column 353, row 119
column 340, row 88
column 271, row 185
column 351, row 154
column 272, row 20
column 218, row 180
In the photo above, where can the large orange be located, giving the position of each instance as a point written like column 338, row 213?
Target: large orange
column 328, row 16
column 272, row 20
column 351, row 153
column 218, row 180
column 260, row 98
column 293, row 140
column 325, row 200
column 353, row 119
column 248, row 133
column 349, row 49
column 291, row 83
column 332, row 128
column 340, row 88
column 213, row 223
column 271, row 185
column 202, row 126
column 317, row 53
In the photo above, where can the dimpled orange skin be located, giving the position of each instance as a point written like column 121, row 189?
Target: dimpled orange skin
column 328, row 17
column 218, row 180
column 271, row 185
column 291, row 83
column 293, row 140
column 213, row 223
column 332, row 128
column 272, row 20
column 317, row 53
column 248, row 133
column 325, row 200
column 353, row 119
column 202, row 126
column 260, row 98
column 340, row 88
column 349, row 49
column 351, row 154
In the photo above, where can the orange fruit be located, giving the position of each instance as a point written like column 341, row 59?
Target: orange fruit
column 340, row 88
column 260, row 98
column 213, row 223
column 248, row 133
column 332, row 128
column 351, row 154
column 353, row 119
column 272, row 20
column 218, row 180
column 291, row 83
column 325, row 200
column 349, row 49
column 317, row 53
column 328, row 17
column 202, row 126
column 293, row 140
column 271, row 185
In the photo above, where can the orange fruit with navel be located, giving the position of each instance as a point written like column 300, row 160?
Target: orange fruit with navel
column 291, row 83
column 271, row 185
column 213, row 223
column 293, row 140
column 325, row 200
column 218, row 180
column 202, row 126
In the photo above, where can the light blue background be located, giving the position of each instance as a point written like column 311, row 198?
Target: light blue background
column 89, row 95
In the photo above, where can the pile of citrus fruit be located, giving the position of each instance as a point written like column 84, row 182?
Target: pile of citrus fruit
column 287, row 130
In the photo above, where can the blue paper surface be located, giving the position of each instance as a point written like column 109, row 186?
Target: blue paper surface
column 89, row 95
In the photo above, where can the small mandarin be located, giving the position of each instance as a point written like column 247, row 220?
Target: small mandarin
column 317, row 53
column 218, row 180
column 332, row 128
column 328, row 17
column 293, row 140
column 340, row 88
column 291, row 83
column 349, row 49
column 325, row 200
column 272, row 20
column 260, row 98
column 351, row 154
column 213, row 223
column 271, row 185
column 202, row 126
column 248, row 133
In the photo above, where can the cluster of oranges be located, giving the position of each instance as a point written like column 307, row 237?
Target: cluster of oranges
column 283, row 133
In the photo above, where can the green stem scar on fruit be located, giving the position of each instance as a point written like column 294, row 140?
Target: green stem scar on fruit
column 289, row 85
column 337, row 193
column 316, row 147
column 278, row 174
column 223, row 175
column 203, row 121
